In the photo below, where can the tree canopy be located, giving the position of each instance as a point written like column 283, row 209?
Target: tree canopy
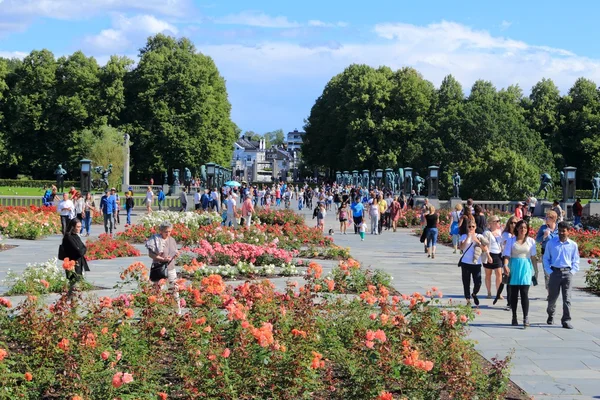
column 173, row 104
column 498, row 140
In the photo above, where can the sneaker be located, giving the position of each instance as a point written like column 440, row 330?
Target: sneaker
column 567, row 325
column 507, row 308
column 489, row 295
column 475, row 299
column 525, row 322
column 550, row 320
column 433, row 256
column 515, row 322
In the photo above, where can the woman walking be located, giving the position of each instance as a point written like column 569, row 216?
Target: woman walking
column 374, row 215
column 89, row 207
column 432, row 219
column 128, row 206
column 508, row 233
column 343, row 217
column 454, row 230
column 494, row 261
column 162, row 249
column 149, row 198
column 519, row 257
column 395, row 208
column 471, row 268
column 74, row 250
column 480, row 220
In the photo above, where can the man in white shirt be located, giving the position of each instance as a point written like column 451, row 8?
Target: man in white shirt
column 197, row 199
column 231, row 204
column 215, row 199
column 66, row 209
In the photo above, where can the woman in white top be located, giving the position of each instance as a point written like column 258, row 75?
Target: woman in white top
column 374, row 215
column 454, row 231
column 149, row 198
column 507, row 233
column 519, row 258
column 467, row 245
column 494, row 236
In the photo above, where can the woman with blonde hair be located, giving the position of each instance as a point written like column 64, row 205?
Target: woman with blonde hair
column 149, row 198
column 431, row 219
column 454, row 231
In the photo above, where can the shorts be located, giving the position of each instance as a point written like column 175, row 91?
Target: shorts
column 496, row 262
column 148, row 203
column 343, row 219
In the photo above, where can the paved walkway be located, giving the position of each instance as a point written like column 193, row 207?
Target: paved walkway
column 549, row 362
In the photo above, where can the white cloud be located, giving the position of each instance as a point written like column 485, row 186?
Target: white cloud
column 505, row 25
column 321, row 24
column 76, row 9
column 13, row 54
column 253, row 18
column 434, row 50
column 126, row 30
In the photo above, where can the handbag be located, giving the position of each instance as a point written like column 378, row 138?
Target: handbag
column 463, row 254
column 61, row 252
column 454, row 228
column 158, row 271
column 424, row 235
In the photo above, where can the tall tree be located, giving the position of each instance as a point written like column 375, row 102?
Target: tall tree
column 180, row 114
column 112, row 88
column 544, row 116
column 274, row 138
column 3, row 90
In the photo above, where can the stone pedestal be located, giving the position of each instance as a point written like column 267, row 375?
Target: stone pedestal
column 541, row 208
column 419, row 201
column 454, row 201
column 591, row 208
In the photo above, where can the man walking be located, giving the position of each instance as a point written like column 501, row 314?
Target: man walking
column 230, row 203
column 197, row 202
column 183, row 199
column 561, row 262
column 108, row 205
column 66, row 209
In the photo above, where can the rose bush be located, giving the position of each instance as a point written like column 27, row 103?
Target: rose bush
column 190, row 219
column 248, row 341
column 40, row 278
column 216, row 253
column 29, row 222
column 107, row 248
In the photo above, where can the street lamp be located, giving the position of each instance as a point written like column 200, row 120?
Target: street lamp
column 210, row 173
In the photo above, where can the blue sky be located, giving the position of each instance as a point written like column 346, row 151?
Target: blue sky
column 276, row 56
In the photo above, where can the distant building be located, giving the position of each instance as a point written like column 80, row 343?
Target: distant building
column 294, row 140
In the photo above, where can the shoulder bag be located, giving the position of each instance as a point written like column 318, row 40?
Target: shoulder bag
column 463, row 254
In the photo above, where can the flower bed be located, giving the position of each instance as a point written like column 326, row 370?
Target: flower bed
column 279, row 217
column 218, row 254
column 40, row 278
column 289, row 236
column 191, row 220
column 244, row 342
column 197, row 271
column 29, row 222
column 107, row 248
column 592, row 277
column 349, row 277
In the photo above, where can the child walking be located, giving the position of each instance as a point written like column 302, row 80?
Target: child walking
column 362, row 230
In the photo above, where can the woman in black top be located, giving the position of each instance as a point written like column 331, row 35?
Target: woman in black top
column 74, row 249
column 480, row 220
column 432, row 219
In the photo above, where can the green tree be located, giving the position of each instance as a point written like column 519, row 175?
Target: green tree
column 179, row 114
column 30, row 139
column 3, row 90
column 112, row 88
column 104, row 145
column 274, row 138
column 543, row 114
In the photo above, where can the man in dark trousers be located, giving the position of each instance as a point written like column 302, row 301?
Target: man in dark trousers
column 561, row 262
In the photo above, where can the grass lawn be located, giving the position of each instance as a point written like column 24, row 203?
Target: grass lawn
column 20, row 191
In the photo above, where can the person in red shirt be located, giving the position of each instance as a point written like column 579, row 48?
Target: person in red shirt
column 577, row 212
column 519, row 211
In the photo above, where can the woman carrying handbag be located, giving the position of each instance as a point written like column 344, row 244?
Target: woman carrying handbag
column 74, row 249
column 162, row 249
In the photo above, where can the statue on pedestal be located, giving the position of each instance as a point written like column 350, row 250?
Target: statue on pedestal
column 545, row 183
column 419, row 183
column 60, row 178
column 390, row 179
column 102, row 183
column 595, row 186
column 456, row 185
column 165, row 178
column 400, row 179
column 176, row 177
column 187, row 178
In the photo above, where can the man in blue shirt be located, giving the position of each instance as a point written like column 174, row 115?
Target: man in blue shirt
column 561, row 262
column 108, row 205
column 358, row 211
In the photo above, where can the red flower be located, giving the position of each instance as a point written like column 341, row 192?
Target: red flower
column 28, row 376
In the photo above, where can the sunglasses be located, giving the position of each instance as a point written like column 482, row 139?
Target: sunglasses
column 513, row 223
column 472, row 226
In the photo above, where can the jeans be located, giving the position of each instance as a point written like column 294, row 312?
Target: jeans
column 374, row 224
column 108, row 221
column 560, row 281
column 64, row 222
column 87, row 222
column 469, row 270
column 129, row 216
column 231, row 219
column 160, row 204
column 432, row 235
column 523, row 290
column 357, row 223
column 576, row 220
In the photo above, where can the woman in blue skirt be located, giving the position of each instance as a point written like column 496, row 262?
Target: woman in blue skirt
column 519, row 259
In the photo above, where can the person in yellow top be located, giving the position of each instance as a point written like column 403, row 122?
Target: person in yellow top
column 383, row 206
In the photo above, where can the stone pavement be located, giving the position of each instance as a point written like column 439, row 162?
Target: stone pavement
column 549, row 362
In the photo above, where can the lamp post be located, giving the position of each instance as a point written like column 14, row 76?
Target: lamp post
column 378, row 176
column 210, row 173
column 126, row 163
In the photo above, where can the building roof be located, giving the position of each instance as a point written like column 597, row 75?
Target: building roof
column 248, row 144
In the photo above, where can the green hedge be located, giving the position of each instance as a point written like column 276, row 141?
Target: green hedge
column 34, row 183
column 583, row 194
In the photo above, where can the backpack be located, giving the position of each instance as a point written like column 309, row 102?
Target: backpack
column 161, row 195
column 316, row 212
